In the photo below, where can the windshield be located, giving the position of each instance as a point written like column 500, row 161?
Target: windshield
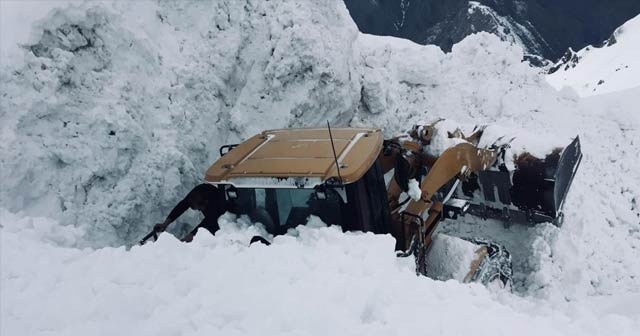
column 283, row 208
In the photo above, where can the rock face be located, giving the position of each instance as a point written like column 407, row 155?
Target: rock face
column 543, row 28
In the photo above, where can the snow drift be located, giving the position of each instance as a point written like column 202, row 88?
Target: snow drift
column 117, row 109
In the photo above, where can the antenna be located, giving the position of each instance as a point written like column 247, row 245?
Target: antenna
column 335, row 157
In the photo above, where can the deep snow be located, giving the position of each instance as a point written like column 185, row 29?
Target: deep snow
column 120, row 108
column 319, row 282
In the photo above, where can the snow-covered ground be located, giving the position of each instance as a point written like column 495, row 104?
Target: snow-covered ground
column 613, row 67
column 318, row 282
column 119, row 107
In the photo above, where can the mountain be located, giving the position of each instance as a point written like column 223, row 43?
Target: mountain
column 543, row 28
column 612, row 66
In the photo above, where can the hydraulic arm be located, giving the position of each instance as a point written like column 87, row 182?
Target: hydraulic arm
column 476, row 177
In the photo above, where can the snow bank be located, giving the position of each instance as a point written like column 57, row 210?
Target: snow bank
column 121, row 107
column 320, row 282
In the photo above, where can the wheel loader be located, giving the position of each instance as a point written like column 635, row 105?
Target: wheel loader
column 354, row 178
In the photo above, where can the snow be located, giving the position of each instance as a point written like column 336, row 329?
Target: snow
column 611, row 68
column 414, row 190
column 450, row 257
column 268, row 182
column 320, row 282
column 99, row 140
column 516, row 140
column 16, row 18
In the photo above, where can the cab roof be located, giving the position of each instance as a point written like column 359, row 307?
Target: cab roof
column 304, row 152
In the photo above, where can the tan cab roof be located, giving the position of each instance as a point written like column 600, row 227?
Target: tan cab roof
column 302, row 152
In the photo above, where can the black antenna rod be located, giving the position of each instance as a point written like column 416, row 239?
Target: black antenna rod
column 335, row 157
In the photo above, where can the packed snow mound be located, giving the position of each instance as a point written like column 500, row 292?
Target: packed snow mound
column 450, row 258
column 615, row 66
column 121, row 107
column 319, row 282
column 483, row 80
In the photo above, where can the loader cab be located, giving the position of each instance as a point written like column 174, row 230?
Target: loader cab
column 281, row 178
column 358, row 206
column 280, row 209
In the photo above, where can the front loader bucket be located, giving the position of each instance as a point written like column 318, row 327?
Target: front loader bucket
column 567, row 167
column 533, row 192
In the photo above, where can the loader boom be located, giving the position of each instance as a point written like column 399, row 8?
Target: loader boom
column 415, row 220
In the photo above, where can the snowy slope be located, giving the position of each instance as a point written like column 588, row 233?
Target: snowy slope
column 118, row 108
column 596, row 70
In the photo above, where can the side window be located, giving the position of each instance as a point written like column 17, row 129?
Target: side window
column 281, row 209
column 292, row 206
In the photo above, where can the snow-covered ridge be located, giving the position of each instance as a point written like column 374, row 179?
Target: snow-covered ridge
column 614, row 66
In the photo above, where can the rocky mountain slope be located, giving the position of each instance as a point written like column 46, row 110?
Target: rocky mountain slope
column 542, row 27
